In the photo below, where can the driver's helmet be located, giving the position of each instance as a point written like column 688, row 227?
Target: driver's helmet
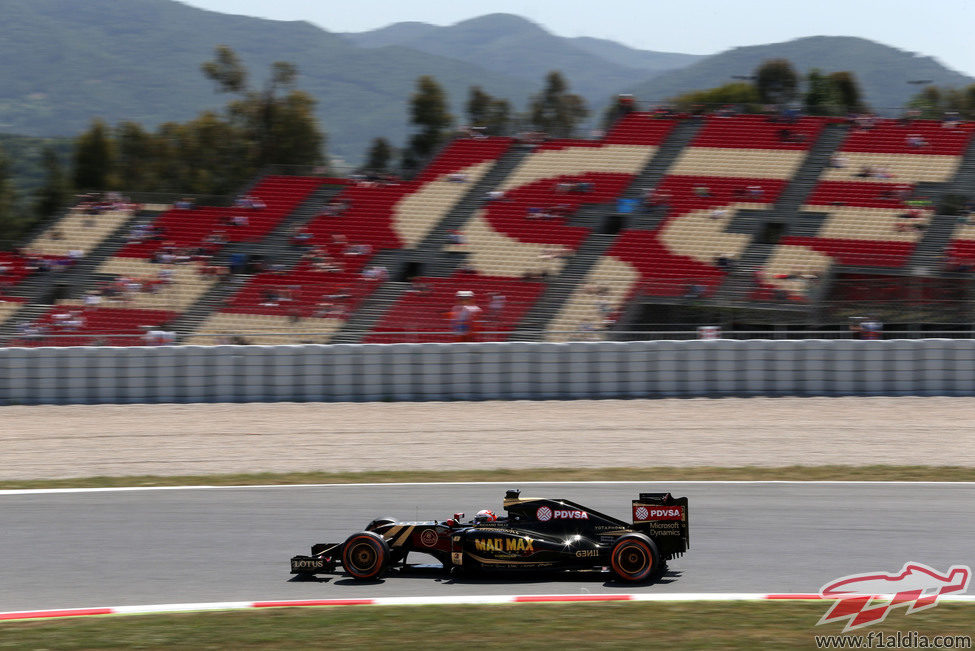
column 485, row 516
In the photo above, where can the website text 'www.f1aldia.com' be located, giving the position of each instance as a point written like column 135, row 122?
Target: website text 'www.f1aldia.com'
column 895, row 640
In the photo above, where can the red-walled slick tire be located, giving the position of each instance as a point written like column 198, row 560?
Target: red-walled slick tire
column 635, row 558
column 365, row 556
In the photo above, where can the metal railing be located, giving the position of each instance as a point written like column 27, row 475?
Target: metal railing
column 225, row 337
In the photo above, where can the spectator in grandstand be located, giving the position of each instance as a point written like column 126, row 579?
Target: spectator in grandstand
column 916, row 141
column 301, row 237
column 951, row 120
column 159, row 337
column 250, row 202
column 358, row 249
column 464, row 316
column 694, row 290
column 75, row 321
column 496, row 305
column 420, row 287
column 377, row 273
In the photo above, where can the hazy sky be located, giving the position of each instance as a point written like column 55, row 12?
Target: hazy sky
column 939, row 28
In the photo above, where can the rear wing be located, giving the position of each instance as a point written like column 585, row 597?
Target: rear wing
column 663, row 517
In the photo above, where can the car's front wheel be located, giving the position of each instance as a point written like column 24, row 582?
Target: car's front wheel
column 365, row 556
column 635, row 558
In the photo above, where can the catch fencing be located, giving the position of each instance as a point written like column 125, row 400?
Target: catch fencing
column 486, row 371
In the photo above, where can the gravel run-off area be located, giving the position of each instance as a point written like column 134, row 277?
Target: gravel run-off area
column 188, row 439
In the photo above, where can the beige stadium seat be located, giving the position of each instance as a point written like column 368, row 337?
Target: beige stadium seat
column 264, row 329
column 581, row 310
column 495, row 254
column 7, row 309
column 186, row 288
column 417, row 213
column 621, row 159
column 77, row 231
column 749, row 163
column 788, row 259
column 903, row 168
column 861, row 223
column 696, row 235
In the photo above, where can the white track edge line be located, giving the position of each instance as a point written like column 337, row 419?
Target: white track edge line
column 43, row 491
column 432, row 601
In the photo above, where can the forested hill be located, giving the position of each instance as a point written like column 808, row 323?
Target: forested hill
column 883, row 71
column 64, row 62
column 512, row 45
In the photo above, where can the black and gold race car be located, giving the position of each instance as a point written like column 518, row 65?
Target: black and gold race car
column 536, row 534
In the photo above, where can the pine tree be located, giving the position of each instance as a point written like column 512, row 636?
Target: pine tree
column 54, row 194
column 777, row 82
column 555, row 110
column 11, row 222
column 428, row 111
column 821, row 98
column 379, row 154
column 94, row 159
column 848, row 92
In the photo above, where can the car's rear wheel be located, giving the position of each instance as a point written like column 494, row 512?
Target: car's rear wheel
column 635, row 558
column 365, row 556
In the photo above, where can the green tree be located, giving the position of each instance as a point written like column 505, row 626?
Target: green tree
column 11, row 222
column 94, row 159
column 277, row 121
column 555, row 110
column 428, row 111
column 226, row 70
column 930, row 102
column 848, row 92
column 54, row 194
column 499, row 120
column 137, row 153
column 478, row 106
column 821, row 96
column 741, row 94
column 379, row 154
column 776, row 81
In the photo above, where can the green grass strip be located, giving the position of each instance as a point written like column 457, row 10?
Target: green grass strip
column 687, row 625
column 786, row 473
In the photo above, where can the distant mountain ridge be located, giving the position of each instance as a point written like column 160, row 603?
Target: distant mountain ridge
column 510, row 45
column 883, row 71
column 64, row 62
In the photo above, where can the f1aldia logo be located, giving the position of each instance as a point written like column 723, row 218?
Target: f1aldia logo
column 544, row 514
column 866, row 599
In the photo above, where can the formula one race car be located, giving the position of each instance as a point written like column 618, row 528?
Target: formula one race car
column 537, row 534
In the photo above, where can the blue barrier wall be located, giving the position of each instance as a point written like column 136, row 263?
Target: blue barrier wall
column 487, row 371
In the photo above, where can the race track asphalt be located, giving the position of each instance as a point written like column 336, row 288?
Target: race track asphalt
column 62, row 550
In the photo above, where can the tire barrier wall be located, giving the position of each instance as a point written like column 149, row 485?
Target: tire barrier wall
column 486, row 371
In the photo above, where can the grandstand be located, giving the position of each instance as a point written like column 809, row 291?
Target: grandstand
column 659, row 218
